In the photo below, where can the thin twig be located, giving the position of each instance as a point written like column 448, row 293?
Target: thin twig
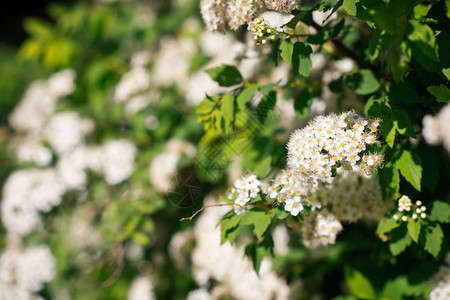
column 206, row 206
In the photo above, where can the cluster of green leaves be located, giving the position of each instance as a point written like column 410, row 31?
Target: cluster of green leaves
column 233, row 124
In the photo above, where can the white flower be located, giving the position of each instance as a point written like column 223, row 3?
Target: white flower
column 293, row 206
column 141, row 289
column 28, row 269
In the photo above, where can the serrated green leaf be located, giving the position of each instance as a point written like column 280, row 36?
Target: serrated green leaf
column 228, row 227
column 303, row 101
column 363, row 82
column 287, row 49
column 400, row 240
column 422, row 43
column 410, row 166
column 225, row 75
column 414, row 228
column 259, row 219
column 301, row 58
column 298, row 55
column 388, row 131
column 359, row 285
column 387, row 224
column 442, row 93
column 433, row 239
column 245, row 96
column 440, row 212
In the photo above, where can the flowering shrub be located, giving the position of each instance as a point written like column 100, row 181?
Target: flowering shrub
column 247, row 149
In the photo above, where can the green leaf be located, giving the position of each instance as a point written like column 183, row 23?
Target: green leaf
column 225, row 75
column 245, row 96
column 228, row 227
column 363, row 82
column 400, row 240
column 414, row 228
column 287, row 49
column 388, row 130
column 403, row 122
column 326, row 5
column 442, row 93
column 446, row 73
column 433, row 239
column 258, row 251
column 359, row 285
column 228, row 108
column 403, row 286
column 264, row 167
column 267, row 88
column 38, row 28
column 440, row 212
column 298, row 55
column 301, row 58
column 387, row 224
column 259, row 219
column 140, row 238
column 350, row 6
column 422, row 36
column 390, row 178
column 303, row 101
column 410, row 166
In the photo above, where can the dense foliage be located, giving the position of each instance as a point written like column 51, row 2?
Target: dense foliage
column 316, row 134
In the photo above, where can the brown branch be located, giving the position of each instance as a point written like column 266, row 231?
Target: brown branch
column 206, row 206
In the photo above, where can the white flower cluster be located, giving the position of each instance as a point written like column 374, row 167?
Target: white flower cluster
column 244, row 190
column 134, row 89
column 283, row 6
column 28, row 192
column 327, row 142
column 290, row 191
column 164, row 166
column 407, row 209
column 441, row 282
column 172, row 61
column 25, row 193
column 26, row 270
column 38, row 103
column 141, row 289
column 351, row 197
column 436, row 129
column 229, row 267
column 131, row 83
column 217, row 13
column 332, row 141
column 320, row 229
